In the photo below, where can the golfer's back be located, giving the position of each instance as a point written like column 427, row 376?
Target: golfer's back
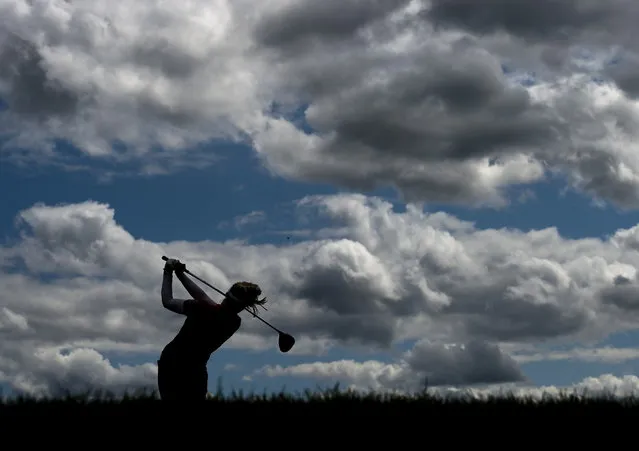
column 202, row 333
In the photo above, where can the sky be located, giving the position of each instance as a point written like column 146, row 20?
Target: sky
column 437, row 193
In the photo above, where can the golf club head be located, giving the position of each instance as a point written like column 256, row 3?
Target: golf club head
column 286, row 342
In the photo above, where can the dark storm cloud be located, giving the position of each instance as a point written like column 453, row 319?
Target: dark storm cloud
column 623, row 293
column 29, row 89
column 328, row 19
column 475, row 362
column 536, row 19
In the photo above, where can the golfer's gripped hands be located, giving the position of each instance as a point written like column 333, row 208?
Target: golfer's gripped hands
column 175, row 265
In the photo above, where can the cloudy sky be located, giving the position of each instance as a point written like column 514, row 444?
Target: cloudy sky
column 442, row 191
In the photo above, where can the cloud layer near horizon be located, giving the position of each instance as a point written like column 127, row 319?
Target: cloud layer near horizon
column 430, row 97
column 471, row 303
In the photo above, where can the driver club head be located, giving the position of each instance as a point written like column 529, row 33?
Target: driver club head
column 286, row 342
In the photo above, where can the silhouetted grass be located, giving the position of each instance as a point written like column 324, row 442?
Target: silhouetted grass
column 329, row 401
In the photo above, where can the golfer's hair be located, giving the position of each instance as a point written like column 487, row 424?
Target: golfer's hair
column 248, row 293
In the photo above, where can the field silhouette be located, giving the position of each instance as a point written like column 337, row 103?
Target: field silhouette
column 328, row 402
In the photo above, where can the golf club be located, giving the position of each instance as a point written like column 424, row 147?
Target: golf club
column 285, row 341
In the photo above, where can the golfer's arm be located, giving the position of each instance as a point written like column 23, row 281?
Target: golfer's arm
column 196, row 292
column 168, row 301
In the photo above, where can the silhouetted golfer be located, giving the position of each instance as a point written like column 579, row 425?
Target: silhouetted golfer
column 182, row 373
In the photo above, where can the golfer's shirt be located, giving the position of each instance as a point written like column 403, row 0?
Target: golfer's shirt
column 202, row 333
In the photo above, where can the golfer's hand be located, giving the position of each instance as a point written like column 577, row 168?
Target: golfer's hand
column 174, row 265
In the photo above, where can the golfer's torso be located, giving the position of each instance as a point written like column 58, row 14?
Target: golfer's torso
column 200, row 336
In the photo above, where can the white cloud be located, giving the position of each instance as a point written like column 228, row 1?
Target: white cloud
column 605, row 385
column 248, row 219
column 12, row 321
column 606, row 354
column 397, row 378
column 155, row 74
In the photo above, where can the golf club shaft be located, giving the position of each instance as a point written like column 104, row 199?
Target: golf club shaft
column 230, row 295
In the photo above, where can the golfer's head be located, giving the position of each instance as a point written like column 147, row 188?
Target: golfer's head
column 244, row 295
